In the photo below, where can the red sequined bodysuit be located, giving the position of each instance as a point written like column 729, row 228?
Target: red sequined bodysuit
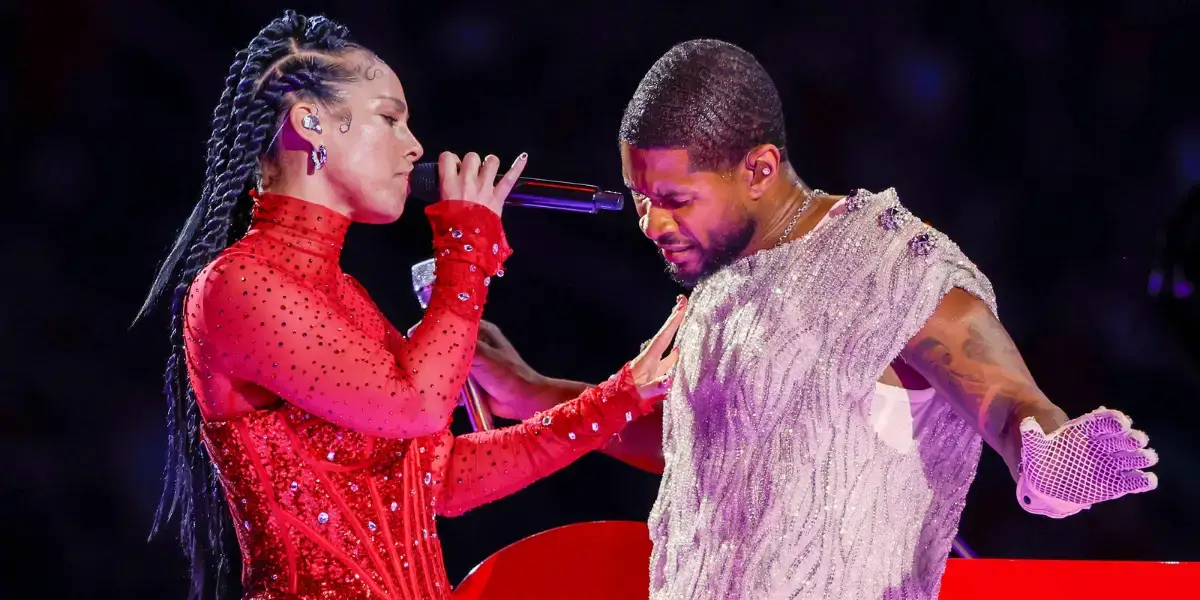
column 335, row 485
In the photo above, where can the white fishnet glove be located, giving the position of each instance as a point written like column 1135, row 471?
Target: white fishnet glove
column 1090, row 459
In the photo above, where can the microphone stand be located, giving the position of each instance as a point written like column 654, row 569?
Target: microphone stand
column 423, row 277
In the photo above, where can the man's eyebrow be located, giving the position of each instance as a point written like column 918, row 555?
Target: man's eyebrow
column 669, row 195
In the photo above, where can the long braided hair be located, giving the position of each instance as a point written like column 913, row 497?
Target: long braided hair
column 293, row 58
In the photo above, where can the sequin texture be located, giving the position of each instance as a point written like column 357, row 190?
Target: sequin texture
column 775, row 484
column 338, row 479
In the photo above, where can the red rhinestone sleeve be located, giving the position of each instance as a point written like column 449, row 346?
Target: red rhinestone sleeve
column 487, row 465
column 262, row 325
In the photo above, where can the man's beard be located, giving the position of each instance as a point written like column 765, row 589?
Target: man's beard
column 727, row 245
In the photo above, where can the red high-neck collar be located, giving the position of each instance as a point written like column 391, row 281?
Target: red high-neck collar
column 309, row 226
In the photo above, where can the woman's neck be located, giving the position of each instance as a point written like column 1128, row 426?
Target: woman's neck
column 316, row 190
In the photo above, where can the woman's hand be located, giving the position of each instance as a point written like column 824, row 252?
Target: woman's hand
column 651, row 370
column 473, row 180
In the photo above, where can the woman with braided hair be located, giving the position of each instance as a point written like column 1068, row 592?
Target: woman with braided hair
column 292, row 399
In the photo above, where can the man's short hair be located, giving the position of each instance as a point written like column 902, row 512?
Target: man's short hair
column 710, row 98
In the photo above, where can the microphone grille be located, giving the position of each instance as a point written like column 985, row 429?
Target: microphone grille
column 423, row 182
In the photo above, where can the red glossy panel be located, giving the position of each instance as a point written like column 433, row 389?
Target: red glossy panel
column 609, row 560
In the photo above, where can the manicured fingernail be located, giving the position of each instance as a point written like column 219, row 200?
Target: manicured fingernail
column 523, row 156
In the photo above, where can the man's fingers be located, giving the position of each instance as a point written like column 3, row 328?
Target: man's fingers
column 1140, row 459
column 1104, row 421
column 487, row 331
column 1136, row 482
column 1127, row 442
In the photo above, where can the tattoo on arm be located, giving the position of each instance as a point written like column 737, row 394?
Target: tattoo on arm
column 988, row 343
column 975, row 348
column 966, row 353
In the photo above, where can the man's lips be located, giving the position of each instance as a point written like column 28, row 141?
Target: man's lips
column 675, row 254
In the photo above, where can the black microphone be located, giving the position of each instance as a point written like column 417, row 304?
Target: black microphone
column 535, row 193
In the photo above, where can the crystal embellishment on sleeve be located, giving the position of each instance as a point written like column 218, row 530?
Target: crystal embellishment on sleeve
column 922, row 244
column 893, row 218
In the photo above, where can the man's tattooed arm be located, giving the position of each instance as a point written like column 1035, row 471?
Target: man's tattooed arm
column 966, row 354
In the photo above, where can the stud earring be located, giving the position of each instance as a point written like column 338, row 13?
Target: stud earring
column 766, row 170
column 319, row 157
column 311, row 122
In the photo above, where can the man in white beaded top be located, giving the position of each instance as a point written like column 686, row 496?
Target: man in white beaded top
column 839, row 363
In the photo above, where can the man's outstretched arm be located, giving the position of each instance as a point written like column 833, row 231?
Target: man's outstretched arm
column 1061, row 466
column 967, row 355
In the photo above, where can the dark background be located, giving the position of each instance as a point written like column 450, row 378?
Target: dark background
column 1052, row 142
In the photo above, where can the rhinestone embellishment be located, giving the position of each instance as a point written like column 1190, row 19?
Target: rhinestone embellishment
column 464, row 296
column 546, row 420
column 571, row 435
column 487, row 281
column 856, row 200
column 371, row 525
column 495, row 248
column 499, row 272
column 922, row 244
column 323, row 518
column 468, row 247
column 893, row 218
column 456, row 234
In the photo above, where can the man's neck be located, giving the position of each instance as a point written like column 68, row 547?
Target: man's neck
column 789, row 204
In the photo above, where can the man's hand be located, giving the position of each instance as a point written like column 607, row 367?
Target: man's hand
column 513, row 389
column 1094, row 458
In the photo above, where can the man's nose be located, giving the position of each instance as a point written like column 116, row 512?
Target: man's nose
column 658, row 223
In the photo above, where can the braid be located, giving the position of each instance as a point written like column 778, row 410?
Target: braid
column 290, row 59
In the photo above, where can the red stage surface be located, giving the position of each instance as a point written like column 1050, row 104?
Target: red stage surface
column 608, row 560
